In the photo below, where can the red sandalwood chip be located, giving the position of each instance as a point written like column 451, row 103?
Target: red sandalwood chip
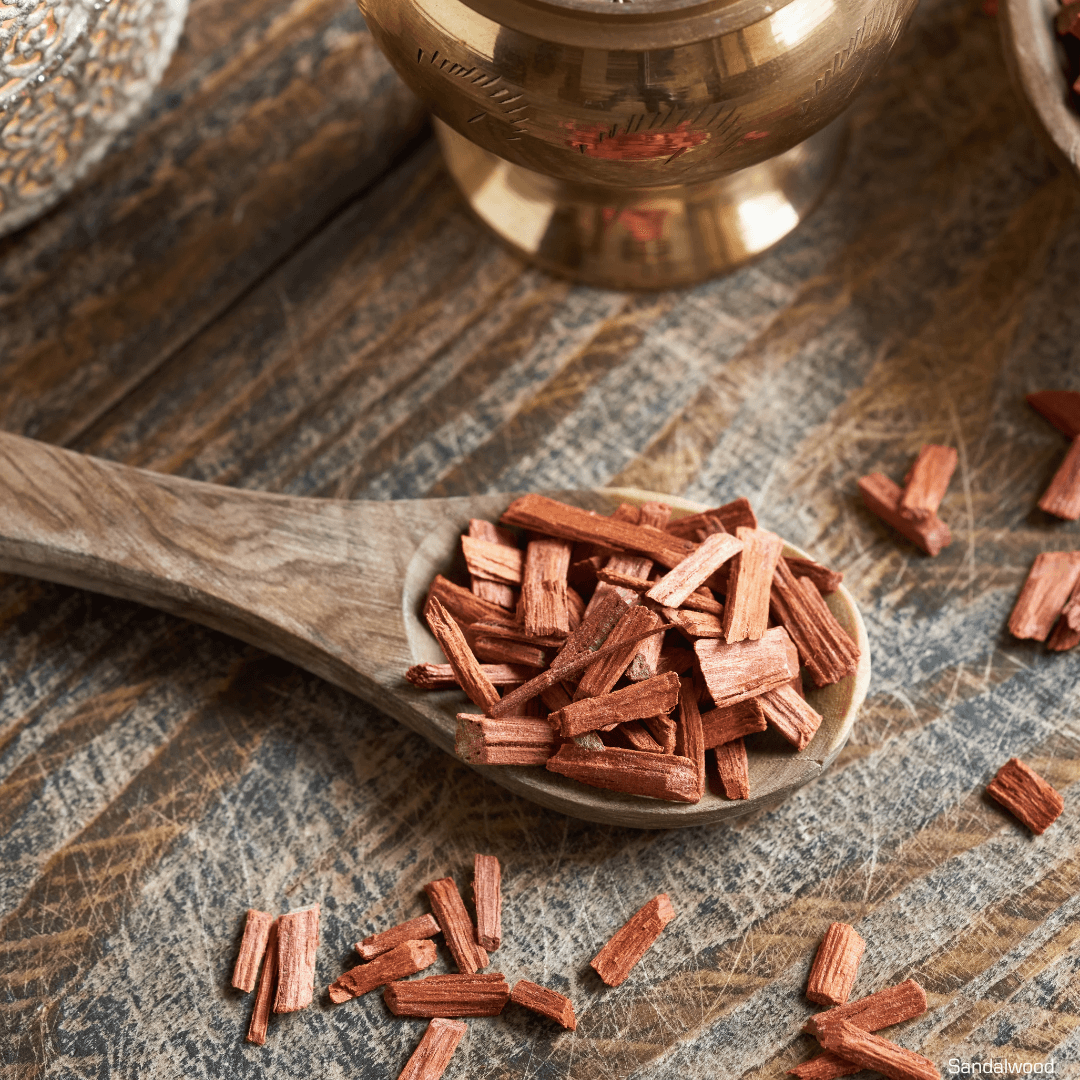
column 616, row 959
column 549, row 1003
column 1024, row 793
column 835, row 965
column 430, row 1059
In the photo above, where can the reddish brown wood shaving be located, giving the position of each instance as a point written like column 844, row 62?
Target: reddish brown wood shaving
column 732, row 770
column 882, row 497
column 659, row 776
column 418, row 929
column 875, row 1011
column 1024, row 793
column 695, row 624
column 719, row 726
column 498, row 650
column 633, row 583
column 600, row 677
column 689, row 739
column 658, row 695
column 252, row 947
column 560, row 670
column 835, row 965
column 442, row 677
column 614, row 962
column 791, row 715
column 493, row 561
column 927, row 481
column 544, row 515
column 646, row 662
column 676, row 585
column 746, row 607
column 510, row 740
column 456, row 649
column 430, row 1059
column 457, row 927
column 1061, row 408
column 448, row 996
column 826, row 580
column 463, row 605
column 731, row 515
column 1047, row 590
column 874, row 1052
column 543, row 587
column 298, row 940
column 260, row 1014
column 633, row 735
column 826, row 1066
column 824, row 646
column 492, row 591
column 662, row 728
column 733, row 673
column 487, row 882
column 1062, row 497
column 405, row 959
column 549, row 1003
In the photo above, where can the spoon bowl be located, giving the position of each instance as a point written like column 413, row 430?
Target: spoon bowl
column 338, row 587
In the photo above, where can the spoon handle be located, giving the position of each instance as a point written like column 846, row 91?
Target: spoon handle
column 317, row 581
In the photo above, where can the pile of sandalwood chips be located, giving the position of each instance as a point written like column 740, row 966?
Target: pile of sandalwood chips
column 286, row 946
column 625, row 647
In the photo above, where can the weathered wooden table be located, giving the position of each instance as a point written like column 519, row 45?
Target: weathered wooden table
column 271, row 284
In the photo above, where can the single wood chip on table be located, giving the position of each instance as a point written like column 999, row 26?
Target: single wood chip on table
column 252, row 947
column 1025, row 794
column 927, row 482
column 418, row 929
column 614, row 962
column 448, row 995
column 487, row 891
column 297, row 943
column 549, row 1003
column 430, row 1059
column 883, row 497
column 260, row 1013
column 406, row 959
column 835, row 966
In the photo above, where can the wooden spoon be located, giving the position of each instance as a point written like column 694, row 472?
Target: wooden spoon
column 336, row 587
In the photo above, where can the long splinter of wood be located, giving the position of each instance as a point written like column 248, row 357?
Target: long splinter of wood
column 442, row 677
column 268, row 980
column 466, row 667
column 252, row 947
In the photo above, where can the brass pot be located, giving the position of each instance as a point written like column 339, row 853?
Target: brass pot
column 645, row 143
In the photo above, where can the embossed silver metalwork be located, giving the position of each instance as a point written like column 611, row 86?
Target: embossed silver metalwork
column 594, row 124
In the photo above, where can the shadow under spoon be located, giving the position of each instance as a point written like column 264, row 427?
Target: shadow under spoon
column 336, row 587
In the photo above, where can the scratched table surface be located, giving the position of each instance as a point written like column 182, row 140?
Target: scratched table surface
column 270, row 283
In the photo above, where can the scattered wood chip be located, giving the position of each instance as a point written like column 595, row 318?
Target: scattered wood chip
column 1061, row 408
column 1062, row 497
column 746, row 669
column 457, row 927
column 791, row 714
column 658, row 776
column 252, row 947
column 543, row 587
column 1025, row 794
column 1047, row 590
column 601, row 676
column 719, row 726
column 835, row 965
column 260, row 1014
column 927, row 481
column 487, row 891
column 549, row 1003
column 430, row 1059
column 875, row 1011
column 418, row 929
column 442, row 677
column 297, row 942
column 824, row 646
column 456, row 649
column 657, row 695
column 730, row 516
column 882, row 497
column 732, row 770
column 874, row 1052
column 448, row 996
column 405, row 959
column 614, row 962
column 746, row 609
column 694, row 570
column 544, row 515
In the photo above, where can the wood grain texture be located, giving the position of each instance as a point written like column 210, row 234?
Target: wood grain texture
column 348, row 331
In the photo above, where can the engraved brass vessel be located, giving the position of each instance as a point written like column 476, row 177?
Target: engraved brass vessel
column 639, row 144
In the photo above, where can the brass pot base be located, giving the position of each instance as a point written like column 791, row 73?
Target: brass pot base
column 645, row 238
